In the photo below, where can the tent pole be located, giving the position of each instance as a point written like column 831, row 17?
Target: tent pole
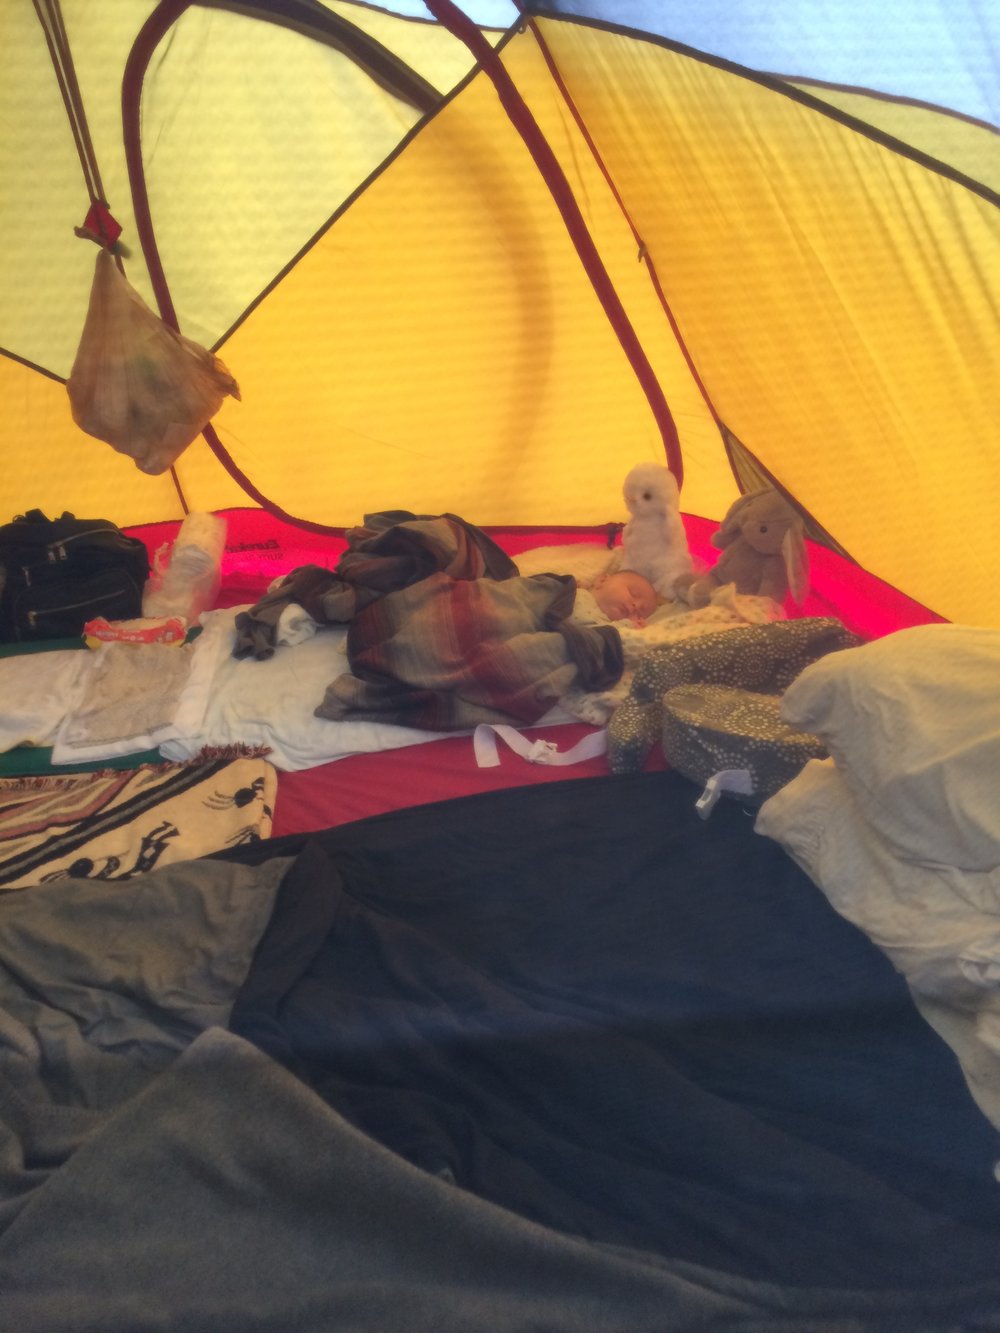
column 156, row 26
column 460, row 26
column 645, row 257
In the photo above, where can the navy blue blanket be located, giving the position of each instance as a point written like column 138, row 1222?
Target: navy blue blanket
column 581, row 1002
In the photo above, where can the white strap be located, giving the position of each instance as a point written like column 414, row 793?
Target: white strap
column 484, row 742
column 736, row 780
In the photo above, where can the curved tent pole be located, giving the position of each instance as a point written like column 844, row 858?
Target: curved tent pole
column 159, row 21
column 151, row 33
column 166, row 13
column 732, row 445
column 99, row 225
column 317, row 22
column 644, row 255
column 153, row 30
column 460, row 26
column 50, row 16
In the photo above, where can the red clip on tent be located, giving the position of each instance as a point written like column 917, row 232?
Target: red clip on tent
column 487, row 269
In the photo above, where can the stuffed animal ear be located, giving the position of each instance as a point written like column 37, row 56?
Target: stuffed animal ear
column 796, row 557
column 732, row 524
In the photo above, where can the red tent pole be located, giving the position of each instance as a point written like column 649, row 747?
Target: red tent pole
column 460, row 26
column 152, row 31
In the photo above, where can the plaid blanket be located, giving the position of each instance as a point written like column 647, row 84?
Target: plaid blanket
column 390, row 550
column 116, row 825
column 446, row 654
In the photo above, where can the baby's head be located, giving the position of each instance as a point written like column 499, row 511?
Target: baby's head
column 625, row 595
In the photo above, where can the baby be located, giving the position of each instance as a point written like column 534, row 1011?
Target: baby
column 624, row 595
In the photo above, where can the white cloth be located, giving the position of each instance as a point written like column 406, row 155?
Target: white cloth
column 939, row 925
column 35, row 689
column 900, row 828
column 913, row 721
column 534, row 750
column 273, row 703
column 586, row 610
column 295, row 625
column 131, row 697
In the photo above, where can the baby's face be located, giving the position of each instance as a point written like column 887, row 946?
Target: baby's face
column 625, row 596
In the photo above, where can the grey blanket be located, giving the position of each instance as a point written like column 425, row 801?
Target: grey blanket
column 102, row 985
column 228, row 1196
column 158, row 1172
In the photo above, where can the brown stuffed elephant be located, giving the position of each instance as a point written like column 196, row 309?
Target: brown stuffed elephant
column 763, row 552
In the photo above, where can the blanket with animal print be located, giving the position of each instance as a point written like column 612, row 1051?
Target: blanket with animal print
column 115, row 825
column 445, row 654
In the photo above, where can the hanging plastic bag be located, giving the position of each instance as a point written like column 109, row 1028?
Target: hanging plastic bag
column 136, row 383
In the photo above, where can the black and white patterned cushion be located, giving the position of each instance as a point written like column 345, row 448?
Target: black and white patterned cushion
column 761, row 658
column 708, row 729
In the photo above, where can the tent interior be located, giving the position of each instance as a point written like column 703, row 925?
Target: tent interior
column 298, row 975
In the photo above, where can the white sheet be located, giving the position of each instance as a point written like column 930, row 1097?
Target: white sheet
column 129, row 697
column 272, row 703
column 34, row 688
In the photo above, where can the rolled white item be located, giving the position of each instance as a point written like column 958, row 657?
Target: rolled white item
column 205, row 532
column 191, row 579
column 295, row 625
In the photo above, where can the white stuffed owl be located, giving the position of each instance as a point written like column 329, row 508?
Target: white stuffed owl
column 654, row 542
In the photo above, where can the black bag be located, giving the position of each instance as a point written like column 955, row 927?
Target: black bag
column 56, row 574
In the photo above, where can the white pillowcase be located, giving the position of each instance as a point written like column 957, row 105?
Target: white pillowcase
column 939, row 926
column 913, row 723
column 586, row 561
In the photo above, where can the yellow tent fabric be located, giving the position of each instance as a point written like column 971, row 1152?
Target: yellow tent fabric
column 397, row 295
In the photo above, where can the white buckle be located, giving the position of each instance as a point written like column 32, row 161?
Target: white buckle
column 737, row 780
